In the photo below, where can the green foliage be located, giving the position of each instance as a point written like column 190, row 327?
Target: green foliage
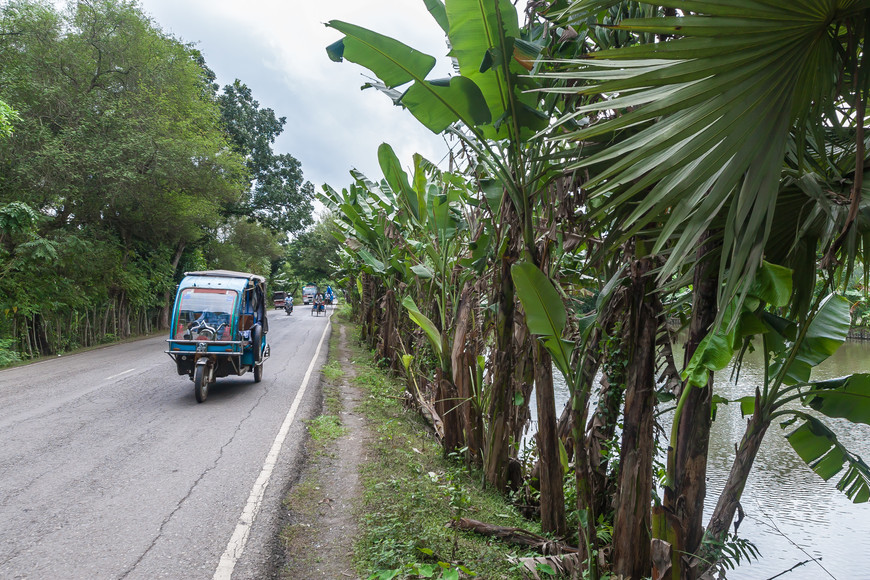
column 412, row 491
column 7, row 116
column 732, row 551
column 325, row 428
column 122, row 171
column 279, row 198
column 545, row 312
column 704, row 137
column 332, row 371
column 312, row 256
column 8, row 354
column 436, row 104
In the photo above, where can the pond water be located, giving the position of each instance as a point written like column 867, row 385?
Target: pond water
column 792, row 515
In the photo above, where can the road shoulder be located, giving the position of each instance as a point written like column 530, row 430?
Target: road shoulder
column 321, row 507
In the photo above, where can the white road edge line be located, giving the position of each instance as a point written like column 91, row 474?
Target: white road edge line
column 236, row 545
column 119, row 375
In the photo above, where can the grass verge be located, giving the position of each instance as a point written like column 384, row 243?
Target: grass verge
column 411, row 493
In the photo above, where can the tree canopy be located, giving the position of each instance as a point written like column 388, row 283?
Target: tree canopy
column 124, row 163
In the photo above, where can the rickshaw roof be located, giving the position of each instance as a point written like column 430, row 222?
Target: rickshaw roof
column 221, row 279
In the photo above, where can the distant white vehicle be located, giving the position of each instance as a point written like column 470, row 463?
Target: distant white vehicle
column 308, row 293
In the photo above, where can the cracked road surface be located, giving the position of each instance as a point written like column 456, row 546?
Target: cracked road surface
column 110, row 469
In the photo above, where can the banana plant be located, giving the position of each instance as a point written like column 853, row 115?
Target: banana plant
column 420, row 237
column 488, row 106
column 791, row 350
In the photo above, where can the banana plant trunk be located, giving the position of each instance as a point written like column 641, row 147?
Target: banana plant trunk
column 462, row 360
column 447, row 406
column 632, row 523
column 552, row 485
column 682, row 511
column 389, row 316
column 502, row 392
column 729, row 499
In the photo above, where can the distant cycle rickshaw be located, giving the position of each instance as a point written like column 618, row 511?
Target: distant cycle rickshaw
column 219, row 327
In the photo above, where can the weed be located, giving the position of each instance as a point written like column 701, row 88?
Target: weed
column 325, row 428
column 333, row 371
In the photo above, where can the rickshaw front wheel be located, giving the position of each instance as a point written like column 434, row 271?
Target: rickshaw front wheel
column 200, row 383
column 258, row 373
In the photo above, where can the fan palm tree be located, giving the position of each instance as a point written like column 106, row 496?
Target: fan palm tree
column 705, row 122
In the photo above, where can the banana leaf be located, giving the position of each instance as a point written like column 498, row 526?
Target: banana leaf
column 820, row 449
column 545, row 312
column 426, row 324
column 845, row 397
column 436, row 104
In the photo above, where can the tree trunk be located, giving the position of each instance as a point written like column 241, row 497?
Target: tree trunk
column 632, row 524
column 602, row 425
column 501, row 396
column 729, row 499
column 552, row 485
column 446, row 406
column 524, row 379
column 167, row 296
column 687, row 456
column 461, row 362
column 389, row 315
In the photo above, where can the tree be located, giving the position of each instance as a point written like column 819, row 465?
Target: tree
column 7, row 116
column 312, row 254
column 120, row 148
column 278, row 199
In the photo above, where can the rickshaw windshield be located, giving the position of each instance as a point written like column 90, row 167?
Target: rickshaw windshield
column 213, row 306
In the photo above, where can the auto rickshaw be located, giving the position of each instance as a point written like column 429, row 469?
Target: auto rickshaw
column 219, row 327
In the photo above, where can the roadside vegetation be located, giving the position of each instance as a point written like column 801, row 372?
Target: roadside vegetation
column 621, row 172
column 410, row 492
column 124, row 165
column 413, row 493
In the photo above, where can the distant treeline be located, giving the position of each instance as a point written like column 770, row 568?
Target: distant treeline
column 125, row 166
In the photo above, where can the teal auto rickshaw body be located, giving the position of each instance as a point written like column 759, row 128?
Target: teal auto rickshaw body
column 219, row 327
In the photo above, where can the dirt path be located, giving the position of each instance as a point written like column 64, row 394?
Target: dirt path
column 321, row 506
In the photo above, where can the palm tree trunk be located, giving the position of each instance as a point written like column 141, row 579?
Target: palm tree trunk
column 632, row 524
column 687, row 456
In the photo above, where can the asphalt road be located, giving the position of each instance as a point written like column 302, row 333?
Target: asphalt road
column 110, row 469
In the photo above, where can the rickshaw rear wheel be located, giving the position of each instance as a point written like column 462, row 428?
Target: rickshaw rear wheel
column 200, row 383
column 258, row 373
column 257, row 342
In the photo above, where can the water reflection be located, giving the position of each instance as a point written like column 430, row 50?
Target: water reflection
column 792, row 515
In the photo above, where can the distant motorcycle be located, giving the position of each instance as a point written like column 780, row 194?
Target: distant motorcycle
column 288, row 306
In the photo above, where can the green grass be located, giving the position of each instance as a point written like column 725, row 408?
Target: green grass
column 326, row 428
column 412, row 492
column 332, row 371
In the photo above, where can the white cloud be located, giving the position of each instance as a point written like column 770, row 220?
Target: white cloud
column 279, row 50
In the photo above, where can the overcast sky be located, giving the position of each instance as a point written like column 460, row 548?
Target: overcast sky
column 278, row 48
